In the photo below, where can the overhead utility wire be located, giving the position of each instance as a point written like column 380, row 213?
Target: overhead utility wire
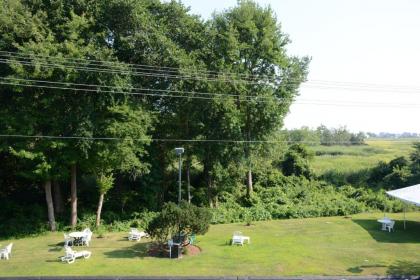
column 127, row 72
column 130, row 93
column 136, row 66
column 180, row 140
column 309, row 84
column 98, row 87
column 341, row 83
column 140, row 89
column 242, row 98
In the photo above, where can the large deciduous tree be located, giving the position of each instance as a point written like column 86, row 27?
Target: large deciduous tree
column 247, row 40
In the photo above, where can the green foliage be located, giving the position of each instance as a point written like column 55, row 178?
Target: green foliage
column 173, row 219
column 325, row 136
column 105, row 182
column 296, row 161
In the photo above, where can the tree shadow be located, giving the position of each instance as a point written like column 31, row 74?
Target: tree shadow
column 138, row 250
column 404, row 268
column 409, row 235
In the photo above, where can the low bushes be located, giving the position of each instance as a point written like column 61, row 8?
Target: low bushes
column 301, row 198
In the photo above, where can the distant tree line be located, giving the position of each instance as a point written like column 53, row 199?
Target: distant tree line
column 323, row 135
column 388, row 135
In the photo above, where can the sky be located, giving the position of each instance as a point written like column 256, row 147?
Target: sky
column 373, row 45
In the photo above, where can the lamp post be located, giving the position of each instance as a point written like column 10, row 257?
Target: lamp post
column 179, row 152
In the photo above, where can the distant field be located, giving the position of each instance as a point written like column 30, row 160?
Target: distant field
column 345, row 159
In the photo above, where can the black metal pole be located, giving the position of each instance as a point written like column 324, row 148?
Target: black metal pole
column 179, row 179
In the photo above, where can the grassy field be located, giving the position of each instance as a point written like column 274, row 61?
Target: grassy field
column 344, row 159
column 319, row 246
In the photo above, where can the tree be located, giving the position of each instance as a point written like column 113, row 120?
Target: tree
column 174, row 219
column 296, row 162
column 124, row 155
column 247, row 39
column 105, row 183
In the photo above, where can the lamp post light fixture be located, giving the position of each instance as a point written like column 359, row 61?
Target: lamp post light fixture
column 179, row 152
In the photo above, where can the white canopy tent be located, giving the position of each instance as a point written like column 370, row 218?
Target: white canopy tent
column 409, row 195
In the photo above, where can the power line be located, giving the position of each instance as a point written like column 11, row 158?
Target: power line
column 309, row 84
column 131, row 93
column 255, row 99
column 141, row 89
column 131, row 73
column 319, row 82
column 183, row 140
column 135, row 66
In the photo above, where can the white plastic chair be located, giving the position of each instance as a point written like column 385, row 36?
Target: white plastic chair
column 71, row 255
column 237, row 238
column 390, row 226
column 136, row 235
column 67, row 240
column 87, row 238
column 6, row 252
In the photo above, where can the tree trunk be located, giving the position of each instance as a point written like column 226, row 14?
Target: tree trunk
column 58, row 198
column 98, row 212
column 50, row 206
column 208, row 180
column 73, row 217
column 188, row 179
column 249, row 187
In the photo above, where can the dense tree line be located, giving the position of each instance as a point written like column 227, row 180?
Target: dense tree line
column 96, row 95
column 323, row 135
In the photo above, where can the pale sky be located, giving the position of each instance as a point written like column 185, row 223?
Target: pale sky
column 356, row 41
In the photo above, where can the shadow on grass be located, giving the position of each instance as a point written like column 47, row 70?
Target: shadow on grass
column 56, row 247
column 409, row 235
column 138, row 250
column 359, row 269
column 404, row 268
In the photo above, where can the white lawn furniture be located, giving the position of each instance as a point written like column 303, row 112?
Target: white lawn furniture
column 81, row 237
column 71, row 255
column 238, row 238
column 67, row 240
column 87, row 237
column 390, row 226
column 6, row 252
column 385, row 221
column 136, row 235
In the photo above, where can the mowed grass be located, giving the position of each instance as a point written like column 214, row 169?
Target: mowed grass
column 345, row 159
column 318, row 246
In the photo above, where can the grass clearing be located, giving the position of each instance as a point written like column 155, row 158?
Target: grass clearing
column 316, row 246
column 345, row 159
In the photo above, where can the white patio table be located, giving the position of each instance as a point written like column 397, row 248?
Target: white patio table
column 77, row 236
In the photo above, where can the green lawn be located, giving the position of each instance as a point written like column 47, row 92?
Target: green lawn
column 344, row 159
column 318, row 246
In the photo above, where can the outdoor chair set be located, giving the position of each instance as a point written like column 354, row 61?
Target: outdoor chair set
column 77, row 238
column 71, row 255
column 6, row 252
column 136, row 235
column 239, row 239
column 387, row 224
